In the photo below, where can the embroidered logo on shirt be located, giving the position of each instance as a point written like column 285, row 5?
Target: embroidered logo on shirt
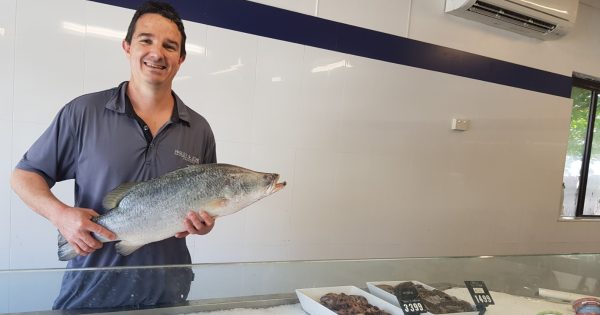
column 187, row 157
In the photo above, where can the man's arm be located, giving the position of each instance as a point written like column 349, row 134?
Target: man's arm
column 74, row 224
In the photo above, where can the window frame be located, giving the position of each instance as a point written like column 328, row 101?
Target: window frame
column 594, row 87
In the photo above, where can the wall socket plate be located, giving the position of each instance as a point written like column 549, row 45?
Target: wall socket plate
column 460, row 124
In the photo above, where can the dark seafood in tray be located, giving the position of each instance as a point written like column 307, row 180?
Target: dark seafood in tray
column 435, row 301
column 345, row 304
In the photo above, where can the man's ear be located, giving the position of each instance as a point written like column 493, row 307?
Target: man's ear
column 182, row 59
column 126, row 46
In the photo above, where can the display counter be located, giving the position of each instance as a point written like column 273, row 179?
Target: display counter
column 513, row 281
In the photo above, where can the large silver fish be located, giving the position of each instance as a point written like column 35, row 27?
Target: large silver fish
column 150, row 211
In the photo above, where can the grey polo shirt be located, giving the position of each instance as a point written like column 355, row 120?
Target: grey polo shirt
column 98, row 141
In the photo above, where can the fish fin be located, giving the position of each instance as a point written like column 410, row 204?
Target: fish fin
column 125, row 248
column 65, row 250
column 112, row 199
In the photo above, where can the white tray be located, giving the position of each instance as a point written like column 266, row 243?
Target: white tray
column 310, row 297
column 390, row 298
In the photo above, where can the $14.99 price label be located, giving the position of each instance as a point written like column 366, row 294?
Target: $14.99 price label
column 479, row 292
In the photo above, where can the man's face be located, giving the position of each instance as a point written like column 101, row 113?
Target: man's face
column 154, row 52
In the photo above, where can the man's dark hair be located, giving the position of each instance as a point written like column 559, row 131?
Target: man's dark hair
column 165, row 10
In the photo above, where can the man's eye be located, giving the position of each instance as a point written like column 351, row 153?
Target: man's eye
column 145, row 41
column 171, row 48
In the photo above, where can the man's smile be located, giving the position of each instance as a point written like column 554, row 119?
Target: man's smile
column 154, row 65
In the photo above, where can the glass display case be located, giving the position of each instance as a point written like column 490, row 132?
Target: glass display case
column 523, row 284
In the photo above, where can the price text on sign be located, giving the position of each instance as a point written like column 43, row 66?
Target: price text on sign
column 412, row 308
column 409, row 300
column 483, row 299
column 479, row 292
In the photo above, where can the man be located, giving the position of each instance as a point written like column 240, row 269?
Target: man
column 137, row 131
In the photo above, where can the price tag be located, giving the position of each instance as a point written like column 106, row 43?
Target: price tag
column 480, row 294
column 409, row 301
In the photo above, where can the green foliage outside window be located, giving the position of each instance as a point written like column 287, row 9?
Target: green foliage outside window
column 579, row 121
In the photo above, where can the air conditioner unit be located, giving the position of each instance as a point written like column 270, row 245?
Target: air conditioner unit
column 543, row 19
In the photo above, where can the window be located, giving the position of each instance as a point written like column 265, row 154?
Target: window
column 581, row 179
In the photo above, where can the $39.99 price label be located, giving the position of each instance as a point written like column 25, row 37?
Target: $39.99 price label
column 409, row 301
column 412, row 307
column 479, row 292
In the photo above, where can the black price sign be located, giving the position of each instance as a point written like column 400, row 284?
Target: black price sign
column 479, row 292
column 409, row 301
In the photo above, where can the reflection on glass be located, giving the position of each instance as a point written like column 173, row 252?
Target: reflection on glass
column 591, row 205
column 231, row 68
column 94, row 30
column 332, row 66
column 266, row 284
column 194, row 49
column 579, row 121
column 2, row 31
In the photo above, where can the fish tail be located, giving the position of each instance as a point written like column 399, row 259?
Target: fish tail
column 65, row 250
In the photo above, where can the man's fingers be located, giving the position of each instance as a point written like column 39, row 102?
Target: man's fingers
column 182, row 234
column 90, row 241
column 208, row 220
column 99, row 229
column 192, row 223
column 82, row 248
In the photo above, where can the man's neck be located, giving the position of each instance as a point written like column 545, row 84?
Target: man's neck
column 149, row 99
column 153, row 106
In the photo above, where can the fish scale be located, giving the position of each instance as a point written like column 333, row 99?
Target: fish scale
column 150, row 211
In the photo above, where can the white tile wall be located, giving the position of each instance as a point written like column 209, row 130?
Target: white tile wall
column 230, row 75
column 301, row 6
column 7, row 39
column 34, row 243
column 105, row 64
column 5, row 193
column 191, row 77
column 388, row 16
column 49, row 58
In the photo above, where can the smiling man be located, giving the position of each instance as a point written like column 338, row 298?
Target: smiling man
column 137, row 131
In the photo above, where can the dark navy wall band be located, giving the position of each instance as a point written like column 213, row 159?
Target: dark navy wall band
column 262, row 20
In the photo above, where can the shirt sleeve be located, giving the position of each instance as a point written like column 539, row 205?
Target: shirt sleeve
column 52, row 155
column 210, row 153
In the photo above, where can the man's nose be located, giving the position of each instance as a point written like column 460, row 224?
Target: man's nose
column 156, row 51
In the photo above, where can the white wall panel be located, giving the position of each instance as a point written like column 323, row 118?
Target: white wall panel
column 388, row 16
column 7, row 58
column 48, row 58
column 230, row 73
column 105, row 63
column 33, row 238
column 5, row 193
column 7, row 42
column 7, row 47
column 582, row 45
column 190, row 84
column 301, row 6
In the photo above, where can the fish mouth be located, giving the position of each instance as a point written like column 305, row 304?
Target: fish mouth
column 275, row 186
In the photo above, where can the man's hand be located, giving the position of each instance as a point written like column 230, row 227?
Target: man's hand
column 76, row 226
column 197, row 223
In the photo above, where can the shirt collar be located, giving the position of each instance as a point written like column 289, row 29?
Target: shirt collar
column 120, row 103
